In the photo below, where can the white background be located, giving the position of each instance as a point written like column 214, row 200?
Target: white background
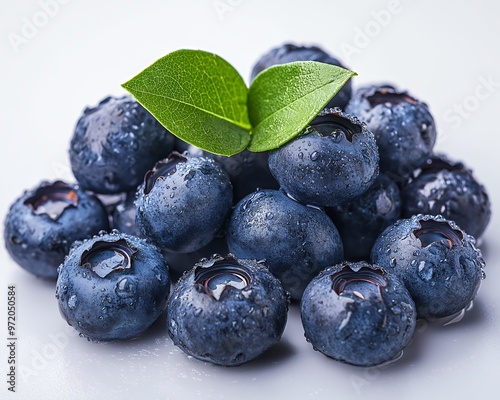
column 445, row 53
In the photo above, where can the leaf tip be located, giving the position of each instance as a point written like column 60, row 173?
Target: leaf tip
column 127, row 85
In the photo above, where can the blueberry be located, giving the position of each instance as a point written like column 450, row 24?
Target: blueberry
column 183, row 202
column 331, row 163
column 288, row 52
column 362, row 220
column 112, row 286
column 115, row 143
column 437, row 261
column 448, row 188
column 227, row 311
column 296, row 241
column 248, row 171
column 403, row 127
column 358, row 313
column 44, row 221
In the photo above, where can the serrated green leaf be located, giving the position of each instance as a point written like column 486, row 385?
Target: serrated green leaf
column 199, row 97
column 285, row 98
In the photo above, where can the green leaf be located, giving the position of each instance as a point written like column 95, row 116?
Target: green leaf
column 285, row 98
column 197, row 96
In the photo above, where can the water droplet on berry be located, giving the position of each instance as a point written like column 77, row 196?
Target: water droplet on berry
column 72, row 302
column 396, row 310
column 425, row 271
column 314, row 156
column 125, row 287
column 162, row 278
column 197, row 312
column 269, row 215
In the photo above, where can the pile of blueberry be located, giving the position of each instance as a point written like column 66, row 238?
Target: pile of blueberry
column 357, row 221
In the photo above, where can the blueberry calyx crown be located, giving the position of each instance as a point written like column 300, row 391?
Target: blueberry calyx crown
column 390, row 97
column 104, row 257
column 162, row 169
column 334, row 124
column 217, row 277
column 352, row 277
column 52, row 199
column 431, row 231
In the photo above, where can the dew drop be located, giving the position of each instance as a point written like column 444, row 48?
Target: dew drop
column 162, row 278
column 125, row 287
column 72, row 302
column 198, row 312
column 314, row 156
column 425, row 271
column 396, row 310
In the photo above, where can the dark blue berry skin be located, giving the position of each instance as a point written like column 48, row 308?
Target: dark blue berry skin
column 227, row 311
column 179, row 263
column 358, row 313
column 115, row 143
column 248, row 171
column 448, row 188
column 123, row 216
column 290, row 52
column 403, row 126
column 331, row 163
column 296, row 241
column 112, row 287
column 437, row 261
column 44, row 221
column 362, row 220
column 183, row 202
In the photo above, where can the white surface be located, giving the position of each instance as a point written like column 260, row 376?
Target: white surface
column 443, row 53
